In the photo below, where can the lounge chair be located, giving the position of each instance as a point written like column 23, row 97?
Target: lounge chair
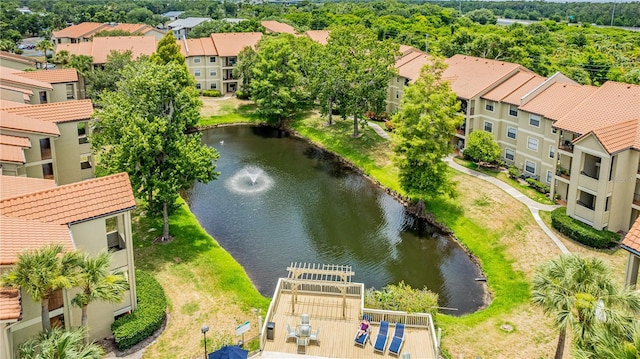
column 313, row 337
column 381, row 339
column 291, row 333
column 362, row 340
column 398, row 340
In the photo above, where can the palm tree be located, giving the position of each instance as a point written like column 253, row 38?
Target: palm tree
column 45, row 45
column 58, row 343
column 42, row 272
column 97, row 283
column 609, row 345
column 580, row 295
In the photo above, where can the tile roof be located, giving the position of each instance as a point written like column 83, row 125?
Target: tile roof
column 197, row 47
column 14, row 186
column 410, row 65
column 85, row 29
column 14, row 122
column 189, row 22
column 57, row 112
column 4, row 55
column 631, row 241
column 13, row 154
column 618, row 137
column 277, row 26
column 515, row 98
column 53, row 76
column 230, row 44
column 15, row 141
column 10, row 75
column 320, row 36
column 132, row 28
column 557, row 100
column 7, row 103
column 20, row 234
column 470, row 76
column 508, row 86
column 10, row 305
column 610, row 104
column 73, row 202
column 101, row 47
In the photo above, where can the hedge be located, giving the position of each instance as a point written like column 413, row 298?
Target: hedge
column 538, row 186
column 148, row 316
column 211, row 93
column 581, row 232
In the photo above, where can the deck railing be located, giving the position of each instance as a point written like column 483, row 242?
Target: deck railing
column 353, row 289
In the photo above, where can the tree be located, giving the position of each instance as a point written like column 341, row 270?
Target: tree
column 275, row 86
column 45, row 45
column 609, row 345
column 142, row 127
column 244, row 70
column 105, row 79
column 482, row 148
column 580, row 295
column 42, row 272
column 426, row 121
column 97, row 283
column 482, row 16
column 58, row 343
column 168, row 51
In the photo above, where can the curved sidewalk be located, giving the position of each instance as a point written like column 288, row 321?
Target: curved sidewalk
column 534, row 207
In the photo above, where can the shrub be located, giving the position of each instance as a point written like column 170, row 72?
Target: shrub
column 389, row 125
column 402, row 297
column 482, row 147
column 242, row 95
column 211, row 93
column 581, row 232
column 538, row 186
column 380, row 117
column 148, row 316
column 514, row 172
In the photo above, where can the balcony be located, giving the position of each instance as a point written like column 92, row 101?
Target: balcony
column 566, row 146
column 636, row 199
column 563, row 172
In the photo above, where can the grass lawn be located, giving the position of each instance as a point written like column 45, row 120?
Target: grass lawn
column 216, row 111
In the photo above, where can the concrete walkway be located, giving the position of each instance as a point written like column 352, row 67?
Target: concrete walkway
column 379, row 130
column 534, row 207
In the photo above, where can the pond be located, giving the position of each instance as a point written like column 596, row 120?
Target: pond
column 280, row 200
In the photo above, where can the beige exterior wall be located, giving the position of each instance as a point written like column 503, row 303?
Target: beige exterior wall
column 207, row 70
column 18, row 65
column 35, row 157
column 15, row 96
column 395, row 93
column 633, row 266
column 60, row 92
column 73, row 161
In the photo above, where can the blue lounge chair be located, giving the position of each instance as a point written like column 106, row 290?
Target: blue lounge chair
column 381, row 339
column 397, row 341
column 362, row 340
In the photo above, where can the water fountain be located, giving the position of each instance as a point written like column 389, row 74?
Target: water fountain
column 249, row 180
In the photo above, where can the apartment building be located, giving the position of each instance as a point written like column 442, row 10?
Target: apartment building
column 275, row 27
column 182, row 27
column 91, row 216
column 66, row 84
column 631, row 243
column 18, row 62
column 23, row 89
column 100, row 48
column 47, row 141
column 84, row 32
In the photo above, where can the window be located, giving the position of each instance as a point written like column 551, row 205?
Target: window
column 586, row 200
column 85, row 162
column 196, row 73
column 532, row 143
column 488, row 126
column 198, row 86
column 509, row 154
column 530, row 167
column 115, row 240
column 213, row 86
column 397, row 80
column 213, row 73
column 534, row 120
column 43, row 96
column 511, row 132
column 212, row 59
column 513, row 110
column 82, row 132
column 488, row 105
column 70, row 92
column 397, row 94
column 196, row 60
column 606, row 204
column 549, row 176
column 552, row 152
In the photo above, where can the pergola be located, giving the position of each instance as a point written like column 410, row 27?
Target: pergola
column 332, row 275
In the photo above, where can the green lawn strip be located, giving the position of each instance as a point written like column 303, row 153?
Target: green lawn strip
column 522, row 188
column 227, row 119
column 202, row 260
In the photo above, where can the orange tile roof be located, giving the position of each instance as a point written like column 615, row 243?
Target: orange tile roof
column 15, row 141
column 101, row 47
column 14, row 122
column 277, row 26
column 319, row 36
column 230, row 44
column 197, row 47
column 516, row 96
column 470, row 76
column 53, row 76
column 132, row 28
column 10, row 305
column 618, row 137
column 557, row 100
column 25, row 93
column 610, row 104
column 73, row 202
column 508, row 86
column 17, row 58
column 410, row 65
column 20, row 234
column 11, row 154
column 57, row 112
column 7, row 103
column 11, row 76
column 14, row 185
column 631, row 241
column 85, row 29
column 404, row 49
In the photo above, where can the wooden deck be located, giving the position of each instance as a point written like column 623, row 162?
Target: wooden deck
column 336, row 332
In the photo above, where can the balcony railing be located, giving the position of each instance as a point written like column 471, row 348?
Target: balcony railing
column 585, row 205
column 636, row 199
column 563, row 172
column 567, row 147
column 594, row 176
column 45, row 153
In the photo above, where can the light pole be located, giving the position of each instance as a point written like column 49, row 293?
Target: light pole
column 204, row 330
